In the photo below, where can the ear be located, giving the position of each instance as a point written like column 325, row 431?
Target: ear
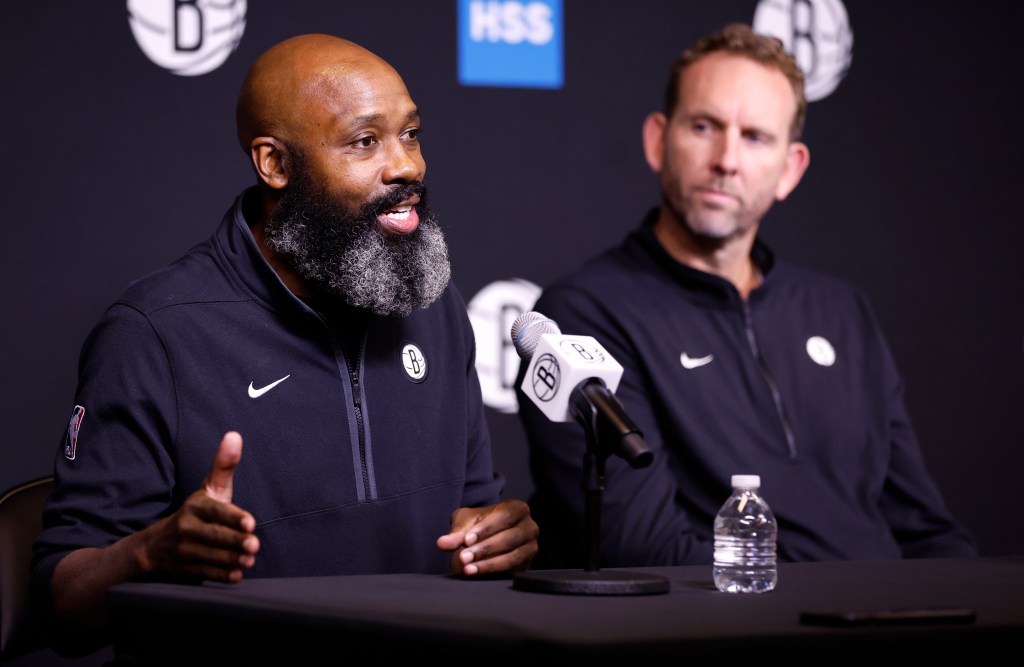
column 798, row 157
column 270, row 157
column 654, row 140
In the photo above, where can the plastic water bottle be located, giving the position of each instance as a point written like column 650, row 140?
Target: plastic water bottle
column 745, row 535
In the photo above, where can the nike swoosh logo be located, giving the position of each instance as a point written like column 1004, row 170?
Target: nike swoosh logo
column 689, row 362
column 256, row 393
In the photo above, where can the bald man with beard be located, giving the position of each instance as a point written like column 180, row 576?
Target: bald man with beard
column 318, row 320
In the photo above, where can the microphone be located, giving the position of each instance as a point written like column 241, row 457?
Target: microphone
column 527, row 330
column 574, row 378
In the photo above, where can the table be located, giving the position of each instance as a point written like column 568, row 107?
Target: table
column 385, row 618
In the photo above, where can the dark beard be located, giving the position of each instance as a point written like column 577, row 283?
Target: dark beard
column 350, row 256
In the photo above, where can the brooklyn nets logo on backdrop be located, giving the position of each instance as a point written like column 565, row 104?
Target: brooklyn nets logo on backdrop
column 817, row 33
column 187, row 37
column 491, row 312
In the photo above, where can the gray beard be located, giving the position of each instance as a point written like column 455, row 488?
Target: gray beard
column 351, row 257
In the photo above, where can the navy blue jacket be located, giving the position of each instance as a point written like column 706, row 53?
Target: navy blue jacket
column 346, row 469
column 796, row 385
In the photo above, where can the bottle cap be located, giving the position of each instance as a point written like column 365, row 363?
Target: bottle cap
column 746, row 481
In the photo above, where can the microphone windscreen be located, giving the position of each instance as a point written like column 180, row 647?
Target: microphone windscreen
column 527, row 330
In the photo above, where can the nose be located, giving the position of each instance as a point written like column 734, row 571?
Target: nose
column 403, row 164
column 727, row 153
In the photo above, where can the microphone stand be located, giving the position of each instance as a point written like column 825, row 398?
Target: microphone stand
column 607, row 431
column 593, row 473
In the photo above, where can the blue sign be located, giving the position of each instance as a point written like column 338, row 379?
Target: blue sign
column 506, row 43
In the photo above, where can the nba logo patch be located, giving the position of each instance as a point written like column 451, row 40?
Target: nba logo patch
column 510, row 44
column 71, row 443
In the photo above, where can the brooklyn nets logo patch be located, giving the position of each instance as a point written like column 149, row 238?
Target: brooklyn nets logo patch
column 414, row 363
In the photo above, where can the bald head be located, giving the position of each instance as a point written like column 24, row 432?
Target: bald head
column 298, row 78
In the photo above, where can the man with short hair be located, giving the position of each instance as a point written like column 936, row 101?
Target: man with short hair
column 734, row 362
column 319, row 321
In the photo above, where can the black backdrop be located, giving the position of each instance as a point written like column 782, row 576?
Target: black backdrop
column 114, row 166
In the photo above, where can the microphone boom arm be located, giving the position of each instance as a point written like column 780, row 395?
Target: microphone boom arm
column 608, row 428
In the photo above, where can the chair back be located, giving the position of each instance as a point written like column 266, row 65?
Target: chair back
column 21, row 520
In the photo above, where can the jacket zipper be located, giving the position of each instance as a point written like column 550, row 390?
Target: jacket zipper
column 352, row 364
column 357, row 406
column 780, row 409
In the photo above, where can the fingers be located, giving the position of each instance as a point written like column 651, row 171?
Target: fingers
column 217, row 512
column 500, row 538
column 516, row 560
column 225, row 566
column 218, row 484
column 204, row 538
column 216, row 550
column 208, row 537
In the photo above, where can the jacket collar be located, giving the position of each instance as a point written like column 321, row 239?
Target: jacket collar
column 243, row 260
column 643, row 241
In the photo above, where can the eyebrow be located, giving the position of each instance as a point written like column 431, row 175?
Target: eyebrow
column 718, row 122
column 369, row 118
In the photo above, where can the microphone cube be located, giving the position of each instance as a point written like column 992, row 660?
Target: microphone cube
column 559, row 363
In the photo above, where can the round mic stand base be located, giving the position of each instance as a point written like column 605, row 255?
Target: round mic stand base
column 583, row 582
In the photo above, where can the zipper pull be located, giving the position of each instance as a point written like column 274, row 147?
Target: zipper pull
column 356, row 393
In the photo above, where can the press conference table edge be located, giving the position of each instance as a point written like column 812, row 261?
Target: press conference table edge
column 398, row 616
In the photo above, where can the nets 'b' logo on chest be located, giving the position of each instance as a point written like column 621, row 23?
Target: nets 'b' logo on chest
column 414, row 363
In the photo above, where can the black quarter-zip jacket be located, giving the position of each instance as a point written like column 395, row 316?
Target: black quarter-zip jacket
column 361, row 434
column 796, row 385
